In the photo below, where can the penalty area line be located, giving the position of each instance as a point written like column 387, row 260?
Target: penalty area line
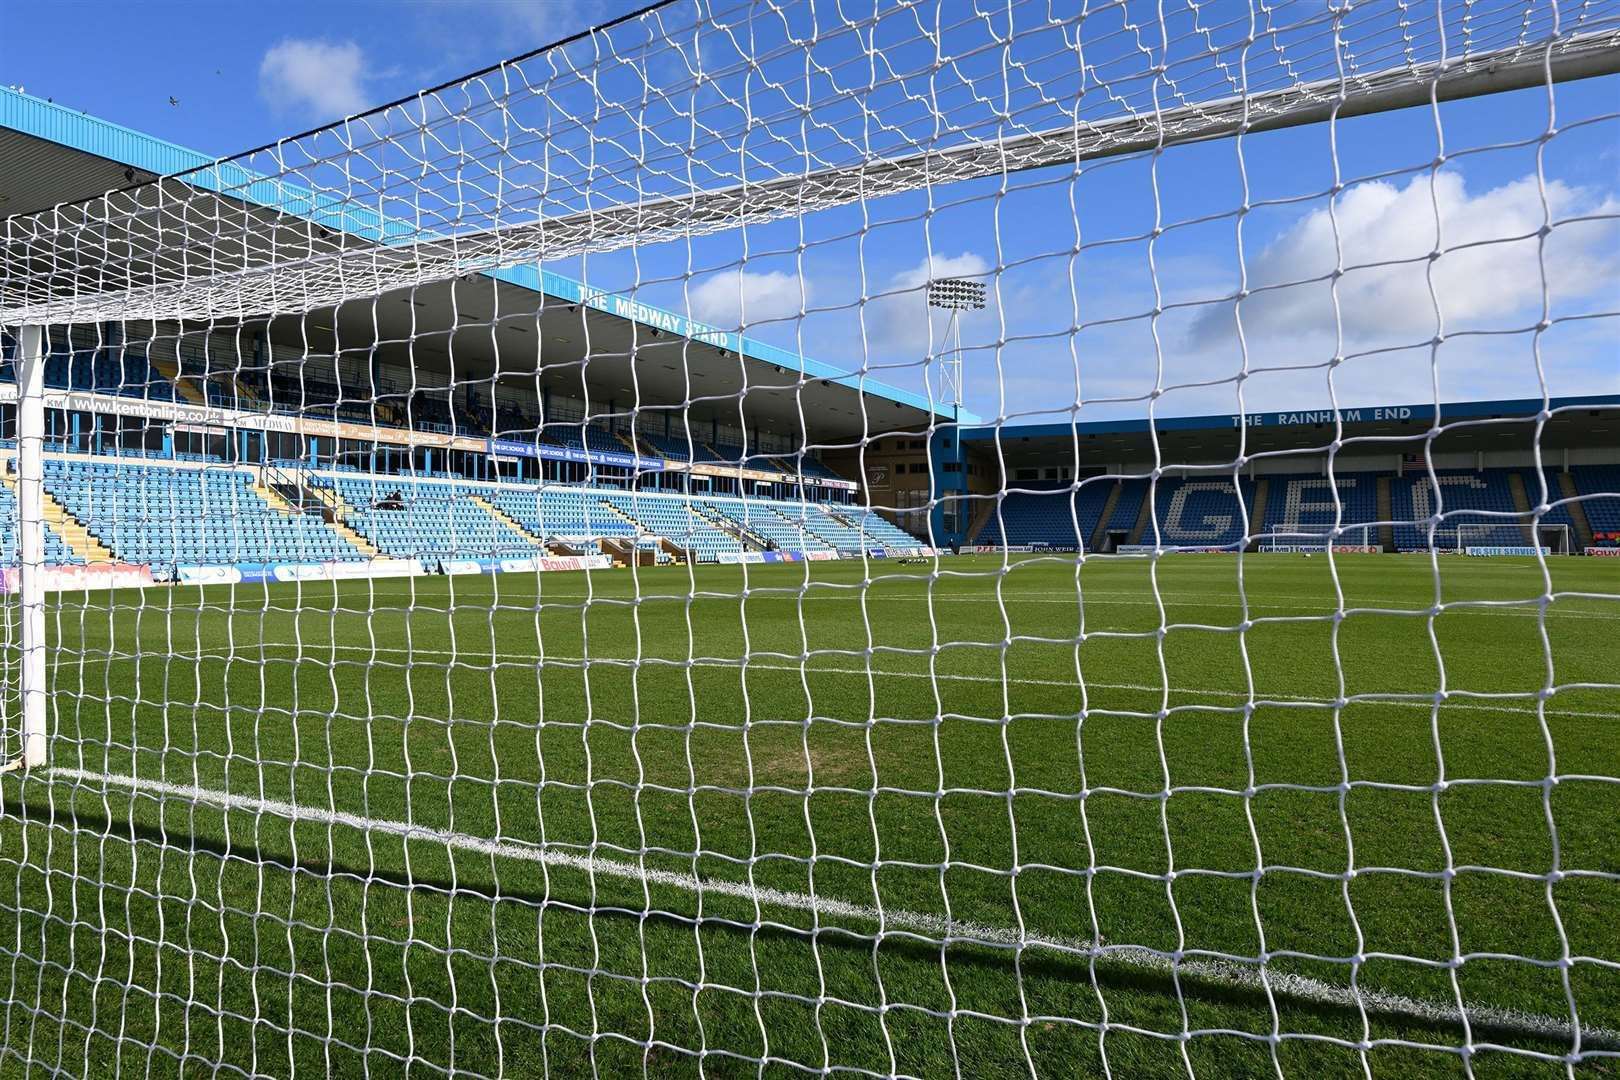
column 1222, row 972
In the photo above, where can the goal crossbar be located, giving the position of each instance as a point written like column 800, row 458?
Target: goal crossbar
column 79, row 243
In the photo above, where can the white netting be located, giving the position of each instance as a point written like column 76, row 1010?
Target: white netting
column 512, row 587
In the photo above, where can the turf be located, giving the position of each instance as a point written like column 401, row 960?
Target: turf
column 1119, row 754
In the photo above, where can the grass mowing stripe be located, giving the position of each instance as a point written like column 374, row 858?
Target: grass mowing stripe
column 471, row 658
column 1476, row 606
column 1220, row 971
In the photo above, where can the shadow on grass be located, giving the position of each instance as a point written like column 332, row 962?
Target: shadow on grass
column 1039, row 964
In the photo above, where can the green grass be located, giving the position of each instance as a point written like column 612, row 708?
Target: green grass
column 904, row 742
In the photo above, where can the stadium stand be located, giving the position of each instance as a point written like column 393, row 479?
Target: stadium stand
column 1602, row 514
column 56, row 550
column 837, row 528
column 1044, row 517
column 147, row 507
column 105, row 369
column 808, row 465
column 1558, row 513
column 1128, row 507
column 150, row 508
column 165, row 516
column 1201, row 511
column 1303, row 503
column 413, row 519
column 670, row 447
column 872, row 530
column 1414, row 500
column 555, row 512
column 675, row 520
column 770, row 522
column 593, row 438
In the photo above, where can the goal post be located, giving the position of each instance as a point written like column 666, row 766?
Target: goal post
column 1550, row 538
column 33, row 691
column 1555, row 537
column 1319, row 538
column 493, row 595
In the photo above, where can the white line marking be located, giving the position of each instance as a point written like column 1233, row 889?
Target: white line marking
column 471, row 659
column 853, row 592
column 1220, row 971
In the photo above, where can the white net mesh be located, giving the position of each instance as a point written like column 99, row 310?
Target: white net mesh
column 464, row 559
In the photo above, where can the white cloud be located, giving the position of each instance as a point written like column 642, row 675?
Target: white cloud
column 1486, row 278
column 899, row 324
column 728, row 298
column 323, row 78
column 544, row 21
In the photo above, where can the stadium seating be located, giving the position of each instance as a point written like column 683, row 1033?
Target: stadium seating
column 1128, row 507
column 108, row 371
column 1413, row 499
column 594, row 438
column 148, row 509
column 1201, row 511
column 1603, row 482
column 878, row 531
column 673, row 519
column 847, row 528
column 1044, row 517
column 1556, row 514
column 57, row 552
column 165, row 516
column 1302, row 503
column 767, row 521
column 429, row 520
column 145, row 508
column 675, row 449
column 556, row 512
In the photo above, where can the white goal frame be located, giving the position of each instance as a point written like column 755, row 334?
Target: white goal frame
column 1470, row 529
column 1318, row 538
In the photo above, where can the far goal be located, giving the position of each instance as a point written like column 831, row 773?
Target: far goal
column 1549, row 538
column 1358, row 539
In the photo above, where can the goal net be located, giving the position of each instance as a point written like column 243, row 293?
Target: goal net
column 1321, row 538
column 1552, row 538
column 606, row 566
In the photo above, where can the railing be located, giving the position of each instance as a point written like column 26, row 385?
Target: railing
column 731, row 526
column 301, row 497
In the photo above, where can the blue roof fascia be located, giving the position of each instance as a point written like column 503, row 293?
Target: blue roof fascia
column 1457, row 410
column 625, row 307
column 93, row 135
column 125, row 146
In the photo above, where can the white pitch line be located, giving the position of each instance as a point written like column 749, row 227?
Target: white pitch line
column 470, row 658
column 1480, row 606
column 1223, row 972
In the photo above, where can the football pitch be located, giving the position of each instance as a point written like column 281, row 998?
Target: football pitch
column 989, row 821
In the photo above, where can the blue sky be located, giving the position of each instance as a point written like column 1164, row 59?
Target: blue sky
column 1063, row 328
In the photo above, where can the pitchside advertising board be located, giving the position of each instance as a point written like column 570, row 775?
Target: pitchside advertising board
column 735, row 558
column 1149, row 549
column 541, row 564
column 1508, row 550
column 258, row 573
column 1312, row 549
column 94, row 577
column 371, row 569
